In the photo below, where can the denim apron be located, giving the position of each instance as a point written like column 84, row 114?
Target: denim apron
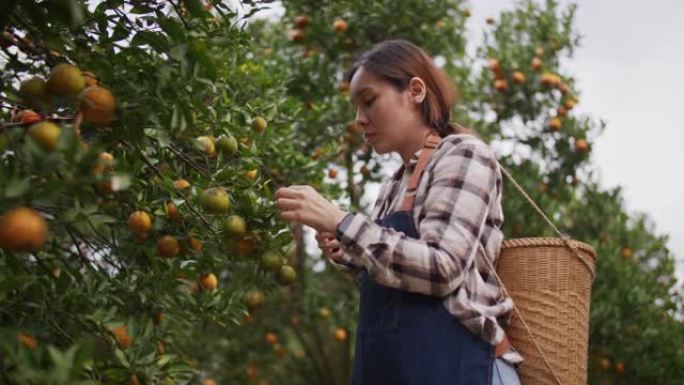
column 406, row 338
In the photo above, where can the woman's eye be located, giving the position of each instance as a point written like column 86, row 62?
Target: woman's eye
column 369, row 102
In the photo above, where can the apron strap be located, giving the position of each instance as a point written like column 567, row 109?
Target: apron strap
column 431, row 142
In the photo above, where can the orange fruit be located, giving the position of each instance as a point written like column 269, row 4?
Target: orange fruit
column 562, row 111
column 215, row 200
column 34, row 92
column 537, row 64
column 251, row 174
column 271, row 338
column 332, row 173
column 46, row 134
column 27, row 340
column 324, row 312
column 139, row 222
column 90, row 79
column 440, row 24
column 501, row 85
column 570, row 104
column 286, row 275
column 605, row 363
column 555, row 124
column 123, row 340
column 168, row 246
column 296, row 35
column 97, row 105
column 209, row 381
column 619, row 368
column 549, row 79
column 22, row 229
column 252, row 371
column 365, row 171
column 27, row 117
column 259, row 124
column 236, row 226
column 518, row 77
column 172, row 211
column 489, row 20
column 254, row 299
column 340, row 334
column 208, row 281
column 581, row 145
column 295, row 321
column 280, row 351
column 467, row 12
column 343, row 87
column 245, row 246
column 66, row 81
column 181, row 184
column 494, row 65
column 195, row 245
column 205, row 145
column 302, row 21
column 354, row 128
column 340, row 25
column 626, row 252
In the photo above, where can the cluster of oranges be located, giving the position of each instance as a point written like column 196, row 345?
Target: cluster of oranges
column 546, row 79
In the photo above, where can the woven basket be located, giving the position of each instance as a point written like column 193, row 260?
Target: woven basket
column 551, row 287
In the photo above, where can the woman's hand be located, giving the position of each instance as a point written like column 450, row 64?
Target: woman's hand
column 330, row 245
column 305, row 205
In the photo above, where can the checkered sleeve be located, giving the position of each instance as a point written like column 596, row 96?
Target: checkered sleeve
column 462, row 184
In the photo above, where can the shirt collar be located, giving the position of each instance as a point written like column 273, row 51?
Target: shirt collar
column 411, row 164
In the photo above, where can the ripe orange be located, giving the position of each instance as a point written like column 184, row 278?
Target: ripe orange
column 302, row 21
column 570, row 104
column 365, row 171
column 340, row 25
column 467, row 12
column 251, row 174
column 172, row 212
column 605, row 363
column 252, row 371
column 168, row 246
column 27, row 340
column 501, row 85
column 332, row 173
column 537, row 64
column 139, row 222
column 205, row 145
column 549, row 79
column 66, row 80
column 518, row 77
column 581, row 145
column 494, row 65
column 46, row 134
column 123, row 340
column 245, row 246
column 195, row 245
column 562, row 111
column 97, row 105
column 271, row 338
column 555, row 124
column 90, row 79
column 208, row 281
column 280, row 351
column 259, row 124
column 626, row 252
column 340, row 334
column 22, row 229
column 619, row 368
column 489, row 20
column 181, row 184
column 440, row 24
column 27, row 117
column 209, row 381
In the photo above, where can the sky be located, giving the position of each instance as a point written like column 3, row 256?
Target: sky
column 628, row 72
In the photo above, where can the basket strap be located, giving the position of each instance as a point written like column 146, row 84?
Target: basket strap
column 564, row 237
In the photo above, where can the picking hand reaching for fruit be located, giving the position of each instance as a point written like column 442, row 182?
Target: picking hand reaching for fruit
column 332, row 248
column 305, row 205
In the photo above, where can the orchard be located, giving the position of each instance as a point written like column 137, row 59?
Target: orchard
column 141, row 143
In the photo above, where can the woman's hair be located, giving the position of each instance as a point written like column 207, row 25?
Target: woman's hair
column 397, row 61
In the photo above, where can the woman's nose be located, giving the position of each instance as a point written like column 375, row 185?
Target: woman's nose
column 361, row 118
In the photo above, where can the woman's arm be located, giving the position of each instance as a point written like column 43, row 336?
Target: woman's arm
column 463, row 184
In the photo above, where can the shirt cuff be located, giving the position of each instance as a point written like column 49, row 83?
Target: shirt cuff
column 342, row 226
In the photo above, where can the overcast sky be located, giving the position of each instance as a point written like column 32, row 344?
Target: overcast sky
column 628, row 71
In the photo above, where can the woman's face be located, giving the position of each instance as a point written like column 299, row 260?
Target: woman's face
column 389, row 118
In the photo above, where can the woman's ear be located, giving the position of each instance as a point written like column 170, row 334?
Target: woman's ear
column 417, row 89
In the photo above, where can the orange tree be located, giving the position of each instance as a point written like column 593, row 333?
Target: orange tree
column 119, row 287
column 140, row 150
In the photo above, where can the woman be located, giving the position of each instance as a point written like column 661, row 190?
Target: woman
column 430, row 309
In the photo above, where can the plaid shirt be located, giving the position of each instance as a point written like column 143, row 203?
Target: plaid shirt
column 457, row 203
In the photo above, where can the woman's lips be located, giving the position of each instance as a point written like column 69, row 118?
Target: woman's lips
column 369, row 136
